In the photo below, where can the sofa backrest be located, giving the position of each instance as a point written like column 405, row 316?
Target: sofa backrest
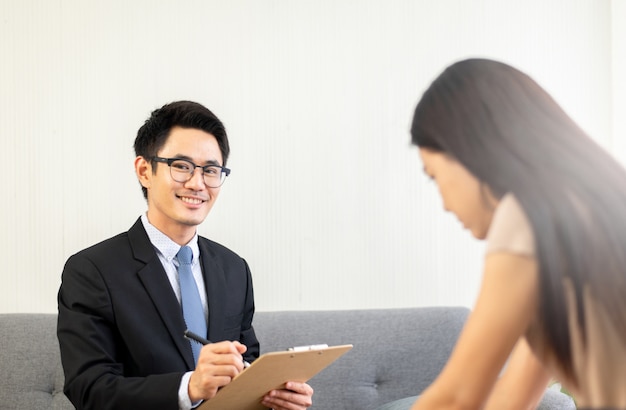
column 397, row 353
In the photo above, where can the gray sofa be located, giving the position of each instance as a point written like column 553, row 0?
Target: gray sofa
column 397, row 353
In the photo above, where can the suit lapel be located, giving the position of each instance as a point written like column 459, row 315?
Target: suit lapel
column 215, row 284
column 154, row 280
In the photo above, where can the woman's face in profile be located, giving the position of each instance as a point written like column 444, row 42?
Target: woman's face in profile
column 460, row 191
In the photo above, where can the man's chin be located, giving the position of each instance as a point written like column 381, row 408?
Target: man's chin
column 193, row 221
column 194, row 218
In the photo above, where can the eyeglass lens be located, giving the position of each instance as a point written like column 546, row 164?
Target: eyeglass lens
column 182, row 171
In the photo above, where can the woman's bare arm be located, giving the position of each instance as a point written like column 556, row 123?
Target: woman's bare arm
column 506, row 304
column 523, row 383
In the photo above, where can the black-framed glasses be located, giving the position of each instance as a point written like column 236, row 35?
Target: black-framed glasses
column 182, row 170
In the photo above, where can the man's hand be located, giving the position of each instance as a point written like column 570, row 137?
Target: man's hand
column 295, row 396
column 217, row 365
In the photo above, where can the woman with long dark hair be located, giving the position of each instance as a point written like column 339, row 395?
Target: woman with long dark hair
column 551, row 203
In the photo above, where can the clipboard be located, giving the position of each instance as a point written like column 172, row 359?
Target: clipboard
column 269, row 372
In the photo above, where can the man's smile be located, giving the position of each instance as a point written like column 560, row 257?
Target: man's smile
column 191, row 200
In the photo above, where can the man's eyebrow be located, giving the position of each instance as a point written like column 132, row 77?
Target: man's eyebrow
column 181, row 156
column 188, row 158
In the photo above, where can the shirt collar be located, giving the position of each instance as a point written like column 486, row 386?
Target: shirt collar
column 167, row 247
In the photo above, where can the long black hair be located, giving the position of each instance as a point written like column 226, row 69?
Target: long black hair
column 513, row 137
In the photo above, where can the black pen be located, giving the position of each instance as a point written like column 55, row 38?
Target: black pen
column 197, row 338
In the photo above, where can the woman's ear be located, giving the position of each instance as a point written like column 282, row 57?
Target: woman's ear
column 143, row 169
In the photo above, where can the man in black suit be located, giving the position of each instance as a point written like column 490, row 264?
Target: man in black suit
column 120, row 323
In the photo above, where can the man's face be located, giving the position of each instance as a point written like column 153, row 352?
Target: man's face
column 177, row 208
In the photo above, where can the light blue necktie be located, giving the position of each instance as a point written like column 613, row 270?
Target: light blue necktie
column 193, row 312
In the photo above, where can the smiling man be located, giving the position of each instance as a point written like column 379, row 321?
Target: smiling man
column 125, row 303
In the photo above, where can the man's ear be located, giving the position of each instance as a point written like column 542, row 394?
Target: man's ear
column 143, row 169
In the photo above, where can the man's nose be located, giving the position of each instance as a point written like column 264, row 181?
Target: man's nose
column 197, row 179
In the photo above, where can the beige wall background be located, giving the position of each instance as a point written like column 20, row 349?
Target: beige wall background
column 326, row 201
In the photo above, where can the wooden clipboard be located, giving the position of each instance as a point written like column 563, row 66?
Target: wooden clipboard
column 269, row 372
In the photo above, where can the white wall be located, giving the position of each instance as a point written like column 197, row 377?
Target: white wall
column 618, row 75
column 326, row 200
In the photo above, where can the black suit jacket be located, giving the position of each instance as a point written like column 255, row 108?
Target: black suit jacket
column 120, row 326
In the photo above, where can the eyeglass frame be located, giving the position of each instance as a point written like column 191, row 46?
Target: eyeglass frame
column 224, row 171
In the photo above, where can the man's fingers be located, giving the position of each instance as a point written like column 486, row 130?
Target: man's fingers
column 299, row 388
